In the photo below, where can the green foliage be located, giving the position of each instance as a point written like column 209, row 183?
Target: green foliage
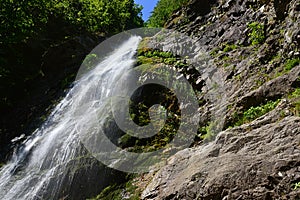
column 214, row 52
column 100, row 16
column 208, row 132
column 257, row 34
column 28, row 28
column 297, row 108
column 115, row 192
column 295, row 97
column 161, row 139
column 256, row 112
column 67, row 80
column 229, row 47
column 20, row 20
column 110, row 192
column 291, row 63
column 163, row 11
column 295, row 94
column 297, row 186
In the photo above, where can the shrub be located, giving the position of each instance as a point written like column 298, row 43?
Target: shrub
column 257, row 34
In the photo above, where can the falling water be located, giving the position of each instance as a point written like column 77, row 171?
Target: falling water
column 31, row 172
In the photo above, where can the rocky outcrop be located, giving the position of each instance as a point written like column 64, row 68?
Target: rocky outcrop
column 254, row 159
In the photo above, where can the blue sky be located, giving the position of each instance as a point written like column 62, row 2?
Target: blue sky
column 148, row 7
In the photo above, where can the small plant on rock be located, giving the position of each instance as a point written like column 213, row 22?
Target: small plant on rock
column 291, row 63
column 229, row 47
column 256, row 112
column 257, row 34
column 297, row 186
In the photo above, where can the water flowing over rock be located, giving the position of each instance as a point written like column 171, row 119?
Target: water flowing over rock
column 53, row 163
column 242, row 59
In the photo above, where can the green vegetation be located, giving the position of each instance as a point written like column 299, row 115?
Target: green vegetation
column 225, row 48
column 214, row 52
column 257, row 34
column 229, row 47
column 21, row 20
column 207, row 133
column 256, row 112
column 117, row 192
column 295, row 98
column 156, row 56
column 150, row 63
column 30, row 29
column 140, row 116
column 90, row 61
column 291, row 63
column 163, row 11
column 295, row 94
column 297, row 186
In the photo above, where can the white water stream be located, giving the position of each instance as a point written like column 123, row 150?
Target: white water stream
column 45, row 154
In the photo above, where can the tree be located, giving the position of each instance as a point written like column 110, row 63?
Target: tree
column 163, row 11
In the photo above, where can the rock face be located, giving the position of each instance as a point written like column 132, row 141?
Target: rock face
column 253, row 161
column 259, row 158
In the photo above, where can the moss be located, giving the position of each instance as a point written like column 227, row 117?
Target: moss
column 68, row 80
column 275, row 59
column 296, row 108
column 225, row 58
column 144, row 46
column 152, row 62
column 153, row 56
column 226, row 64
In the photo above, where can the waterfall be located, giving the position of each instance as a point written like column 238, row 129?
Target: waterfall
column 41, row 165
